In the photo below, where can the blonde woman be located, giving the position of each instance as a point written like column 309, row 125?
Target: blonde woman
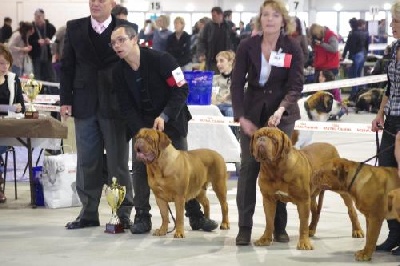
column 161, row 34
column 274, row 86
column 178, row 44
column 223, row 99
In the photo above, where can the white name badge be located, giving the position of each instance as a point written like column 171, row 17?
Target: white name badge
column 280, row 59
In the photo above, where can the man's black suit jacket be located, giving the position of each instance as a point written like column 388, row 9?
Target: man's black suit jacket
column 86, row 79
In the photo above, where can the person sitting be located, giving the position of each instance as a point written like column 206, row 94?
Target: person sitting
column 10, row 94
column 223, row 98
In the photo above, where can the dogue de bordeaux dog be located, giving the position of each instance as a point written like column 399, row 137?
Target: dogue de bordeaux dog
column 285, row 175
column 394, row 202
column 369, row 186
column 178, row 176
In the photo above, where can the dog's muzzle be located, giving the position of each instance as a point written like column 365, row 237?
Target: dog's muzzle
column 142, row 154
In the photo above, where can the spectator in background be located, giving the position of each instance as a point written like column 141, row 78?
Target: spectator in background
column 161, row 33
column 6, row 30
column 20, row 48
column 41, row 52
column 178, row 44
column 300, row 37
column 233, row 34
column 57, row 51
column 214, row 38
column 146, row 34
column 194, row 39
column 326, row 50
column 381, row 65
column 10, row 94
column 121, row 12
column 382, row 31
column 223, row 98
column 357, row 46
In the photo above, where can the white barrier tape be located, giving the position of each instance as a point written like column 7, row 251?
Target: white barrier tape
column 42, row 98
column 47, row 108
column 46, row 83
column 344, row 83
column 358, row 128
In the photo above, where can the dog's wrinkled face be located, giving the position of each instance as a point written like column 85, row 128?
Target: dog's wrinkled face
column 269, row 144
column 149, row 144
column 319, row 106
column 331, row 175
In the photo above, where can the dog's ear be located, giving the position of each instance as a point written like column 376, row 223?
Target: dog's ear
column 390, row 200
column 164, row 141
column 252, row 140
column 286, row 143
column 328, row 102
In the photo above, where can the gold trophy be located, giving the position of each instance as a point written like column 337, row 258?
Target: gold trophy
column 115, row 195
column 31, row 88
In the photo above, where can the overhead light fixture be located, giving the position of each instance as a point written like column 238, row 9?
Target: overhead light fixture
column 189, row 7
column 387, row 6
column 239, row 8
column 337, row 7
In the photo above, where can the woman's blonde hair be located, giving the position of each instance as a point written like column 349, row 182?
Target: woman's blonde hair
column 395, row 10
column 164, row 21
column 228, row 55
column 180, row 20
column 280, row 7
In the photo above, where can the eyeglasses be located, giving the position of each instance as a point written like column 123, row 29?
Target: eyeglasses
column 119, row 41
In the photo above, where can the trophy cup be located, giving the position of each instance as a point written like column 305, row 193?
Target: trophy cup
column 115, row 195
column 31, row 88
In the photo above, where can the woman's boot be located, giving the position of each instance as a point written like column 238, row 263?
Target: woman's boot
column 393, row 238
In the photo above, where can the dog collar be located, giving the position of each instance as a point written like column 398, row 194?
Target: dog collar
column 355, row 175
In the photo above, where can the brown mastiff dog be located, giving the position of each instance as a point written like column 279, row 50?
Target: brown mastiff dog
column 369, row 186
column 178, row 176
column 285, row 175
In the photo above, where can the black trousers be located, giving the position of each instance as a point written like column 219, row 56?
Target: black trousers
column 247, row 185
column 392, row 126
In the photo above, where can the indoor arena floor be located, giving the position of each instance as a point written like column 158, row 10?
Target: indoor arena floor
column 38, row 236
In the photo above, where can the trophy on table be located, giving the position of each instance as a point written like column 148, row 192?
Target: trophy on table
column 31, row 88
column 115, row 195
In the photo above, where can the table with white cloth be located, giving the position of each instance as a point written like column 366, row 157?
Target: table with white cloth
column 218, row 137
column 31, row 133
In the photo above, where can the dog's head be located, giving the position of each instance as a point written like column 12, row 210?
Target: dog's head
column 369, row 100
column 332, row 175
column 270, row 144
column 149, row 143
column 319, row 105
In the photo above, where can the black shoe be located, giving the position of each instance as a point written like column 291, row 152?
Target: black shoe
column 202, row 223
column 244, row 236
column 142, row 223
column 396, row 251
column 81, row 223
column 281, row 237
column 126, row 223
column 392, row 240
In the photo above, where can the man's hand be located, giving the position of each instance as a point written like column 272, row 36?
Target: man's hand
column 275, row 119
column 159, row 124
column 65, row 111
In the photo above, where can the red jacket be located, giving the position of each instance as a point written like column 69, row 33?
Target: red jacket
column 323, row 59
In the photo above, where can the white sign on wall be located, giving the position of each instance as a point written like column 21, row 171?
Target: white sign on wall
column 296, row 5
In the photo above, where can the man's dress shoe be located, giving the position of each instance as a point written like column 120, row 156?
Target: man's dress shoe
column 81, row 223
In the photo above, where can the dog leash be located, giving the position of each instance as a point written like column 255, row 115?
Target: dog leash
column 378, row 152
column 173, row 219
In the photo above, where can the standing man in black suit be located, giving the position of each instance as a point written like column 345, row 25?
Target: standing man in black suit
column 87, row 94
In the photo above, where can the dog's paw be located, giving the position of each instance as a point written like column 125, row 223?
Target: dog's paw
column 179, row 234
column 361, row 255
column 159, row 232
column 358, row 233
column 311, row 232
column 263, row 241
column 304, row 244
column 224, row 226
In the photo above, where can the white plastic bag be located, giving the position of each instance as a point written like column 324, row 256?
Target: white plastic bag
column 59, row 181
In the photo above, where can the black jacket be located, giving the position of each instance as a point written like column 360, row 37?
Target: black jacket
column 50, row 30
column 155, row 70
column 357, row 41
column 180, row 49
column 86, row 77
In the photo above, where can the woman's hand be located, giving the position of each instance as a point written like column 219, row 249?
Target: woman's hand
column 247, row 126
column 275, row 119
column 377, row 123
column 18, row 107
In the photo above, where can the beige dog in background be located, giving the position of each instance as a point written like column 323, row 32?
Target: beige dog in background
column 370, row 187
column 178, row 176
column 285, row 175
